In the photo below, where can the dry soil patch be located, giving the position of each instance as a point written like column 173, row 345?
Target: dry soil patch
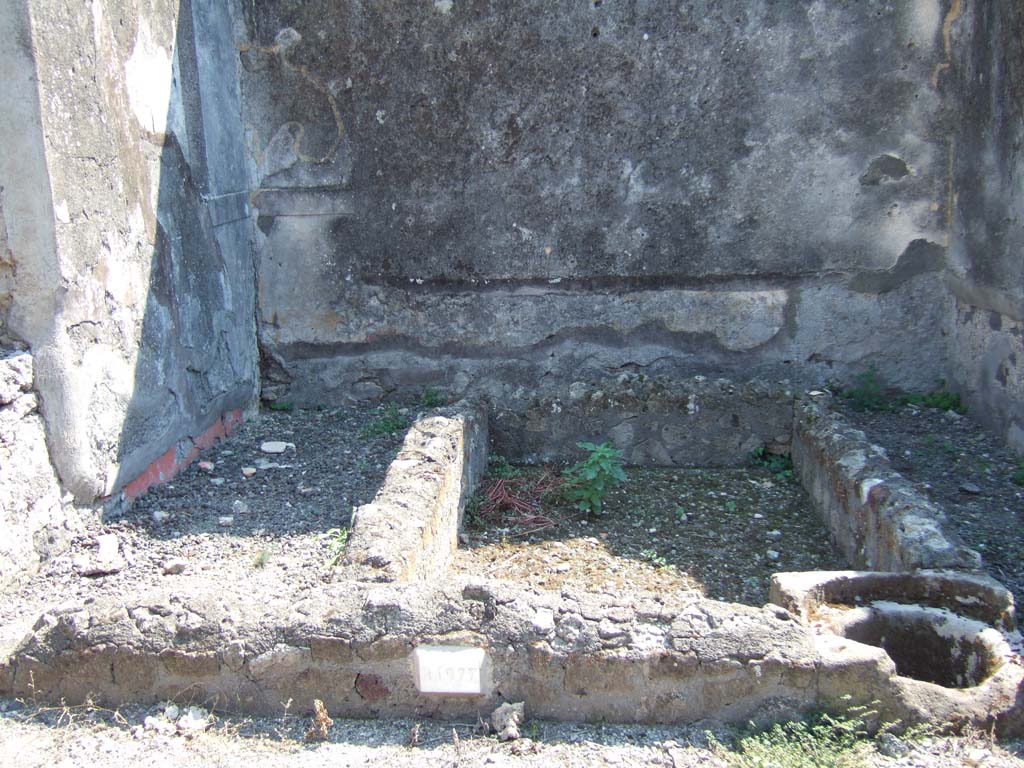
column 722, row 532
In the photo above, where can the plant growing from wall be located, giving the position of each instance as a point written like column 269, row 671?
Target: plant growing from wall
column 588, row 481
column 337, row 538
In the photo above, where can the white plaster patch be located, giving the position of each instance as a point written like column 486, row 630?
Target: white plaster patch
column 866, row 486
column 449, row 669
column 97, row 21
column 926, row 20
column 738, row 319
column 149, row 79
column 61, row 213
column 443, row 6
column 544, row 621
column 649, row 637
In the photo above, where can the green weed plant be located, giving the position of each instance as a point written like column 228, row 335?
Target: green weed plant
column 588, row 481
column 387, row 422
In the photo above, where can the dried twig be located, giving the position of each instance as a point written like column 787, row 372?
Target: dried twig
column 318, row 731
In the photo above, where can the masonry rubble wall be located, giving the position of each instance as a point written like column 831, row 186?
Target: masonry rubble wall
column 654, row 658
column 35, row 519
column 409, row 532
column 680, row 422
column 876, row 517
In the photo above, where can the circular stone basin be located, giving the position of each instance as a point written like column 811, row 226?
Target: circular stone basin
column 930, row 644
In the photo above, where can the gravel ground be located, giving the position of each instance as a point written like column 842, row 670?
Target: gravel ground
column 966, row 471
column 275, row 543
column 33, row 737
column 722, row 532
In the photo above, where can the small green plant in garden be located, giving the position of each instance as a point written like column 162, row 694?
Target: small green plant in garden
column 281, row 405
column 337, row 538
column 658, row 561
column 868, row 394
column 432, row 398
column 779, row 464
column 500, row 468
column 387, row 422
column 588, row 481
column 820, row 741
column 472, row 511
column 940, row 398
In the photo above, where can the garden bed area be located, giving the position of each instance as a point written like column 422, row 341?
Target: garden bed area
column 242, row 520
column 720, row 532
column 959, row 466
column 599, row 592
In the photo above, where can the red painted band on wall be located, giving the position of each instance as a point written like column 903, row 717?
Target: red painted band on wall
column 177, row 458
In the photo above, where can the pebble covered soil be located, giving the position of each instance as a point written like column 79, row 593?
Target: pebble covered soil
column 964, row 469
column 38, row 737
column 240, row 518
column 722, row 532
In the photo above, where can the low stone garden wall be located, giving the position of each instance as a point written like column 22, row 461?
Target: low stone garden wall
column 878, row 519
column 397, row 635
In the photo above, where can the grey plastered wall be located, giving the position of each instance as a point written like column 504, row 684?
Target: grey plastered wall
column 482, row 196
column 986, row 274
column 133, row 280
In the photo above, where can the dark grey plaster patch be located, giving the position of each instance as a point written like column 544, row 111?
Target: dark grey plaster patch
column 884, row 168
column 652, row 332
column 920, row 257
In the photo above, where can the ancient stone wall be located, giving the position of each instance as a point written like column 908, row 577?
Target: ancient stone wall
column 127, row 262
column 34, row 518
column 986, row 274
column 482, row 196
column 6, row 277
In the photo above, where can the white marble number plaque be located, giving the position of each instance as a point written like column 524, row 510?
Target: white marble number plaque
column 451, row 669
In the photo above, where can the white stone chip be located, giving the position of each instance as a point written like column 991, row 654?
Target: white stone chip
column 194, row 719
column 276, row 446
column 108, row 546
